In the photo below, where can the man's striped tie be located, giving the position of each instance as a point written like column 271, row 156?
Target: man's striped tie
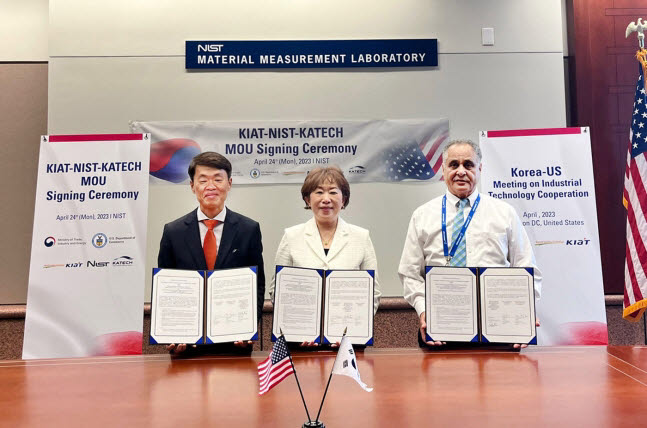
column 460, row 257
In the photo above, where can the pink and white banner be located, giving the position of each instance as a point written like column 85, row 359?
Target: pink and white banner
column 88, row 251
column 547, row 175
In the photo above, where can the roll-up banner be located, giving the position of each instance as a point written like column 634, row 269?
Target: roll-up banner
column 265, row 152
column 547, row 175
column 88, row 251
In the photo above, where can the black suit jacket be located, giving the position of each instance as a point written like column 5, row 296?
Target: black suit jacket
column 240, row 245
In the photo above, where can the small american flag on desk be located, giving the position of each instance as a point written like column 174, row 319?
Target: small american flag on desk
column 276, row 367
column 635, row 200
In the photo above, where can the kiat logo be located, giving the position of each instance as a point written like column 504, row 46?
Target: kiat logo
column 123, row 261
column 74, row 265
column 99, row 240
column 578, row 241
column 357, row 170
column 49, row 241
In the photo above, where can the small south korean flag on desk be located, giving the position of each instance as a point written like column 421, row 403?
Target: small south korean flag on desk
column 346, row 364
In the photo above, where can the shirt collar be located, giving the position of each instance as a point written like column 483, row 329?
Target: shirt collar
column 453, row 199
column 220, row 217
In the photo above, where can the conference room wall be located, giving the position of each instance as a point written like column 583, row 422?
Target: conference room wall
column 120, row 61
column 23, row 118
column 23, row 30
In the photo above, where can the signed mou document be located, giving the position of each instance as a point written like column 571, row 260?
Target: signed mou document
column 231, row 305
column 314, row 305
column 507, row 305
column 488, row 305
column 451, row 304
column 177, row 306
column 180, row 299
column 348, row 304
column 297, row 304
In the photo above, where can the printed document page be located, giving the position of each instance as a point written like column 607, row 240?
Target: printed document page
column 297, row 304
column 451, row 303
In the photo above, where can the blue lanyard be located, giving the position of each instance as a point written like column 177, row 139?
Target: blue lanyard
column 466, row 223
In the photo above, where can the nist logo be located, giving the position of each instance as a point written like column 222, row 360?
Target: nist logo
column 578, row 242
column 206, row 47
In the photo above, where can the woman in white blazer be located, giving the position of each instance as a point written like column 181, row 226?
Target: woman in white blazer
column 326, row 241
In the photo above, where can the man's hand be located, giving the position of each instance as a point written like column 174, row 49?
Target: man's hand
column 518, row 346
column 243, row 343
column 307, row 344
column 423, row 332
column 174, row 349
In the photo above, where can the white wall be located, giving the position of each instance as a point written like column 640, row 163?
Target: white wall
column 23, row 30
column 118, row 61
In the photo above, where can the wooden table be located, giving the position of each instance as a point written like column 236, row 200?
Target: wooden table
column 540, row 387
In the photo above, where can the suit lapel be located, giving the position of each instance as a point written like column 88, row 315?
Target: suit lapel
column 314, row 240
column 193, row 241
column 340, row 239
column 229, row 231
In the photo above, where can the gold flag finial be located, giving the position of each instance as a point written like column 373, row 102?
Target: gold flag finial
column 641, row 56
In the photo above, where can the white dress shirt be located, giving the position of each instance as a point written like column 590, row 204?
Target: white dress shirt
column 217, row 230
column 351, row 248
column 495, row 237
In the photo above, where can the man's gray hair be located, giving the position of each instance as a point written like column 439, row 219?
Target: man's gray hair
column 472, row 144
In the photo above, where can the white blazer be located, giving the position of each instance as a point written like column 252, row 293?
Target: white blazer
column 351, row 248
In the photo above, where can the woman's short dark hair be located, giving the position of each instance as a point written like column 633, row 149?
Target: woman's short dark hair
column 212, row 160
column 319, row 176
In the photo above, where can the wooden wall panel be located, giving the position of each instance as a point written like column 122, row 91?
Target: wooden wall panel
column 23, row 104
column 605, row 73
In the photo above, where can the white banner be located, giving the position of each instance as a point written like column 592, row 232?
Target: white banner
column 88, row 251
column 284, row 151
column 547, row 175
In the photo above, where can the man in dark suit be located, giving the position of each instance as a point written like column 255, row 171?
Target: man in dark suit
column 212, row 236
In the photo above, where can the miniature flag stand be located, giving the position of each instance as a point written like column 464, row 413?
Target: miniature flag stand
column 275, row 368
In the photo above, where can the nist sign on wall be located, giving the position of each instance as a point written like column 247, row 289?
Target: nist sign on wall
column 311, row 54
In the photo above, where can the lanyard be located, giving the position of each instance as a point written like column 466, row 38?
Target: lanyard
column 449, row 255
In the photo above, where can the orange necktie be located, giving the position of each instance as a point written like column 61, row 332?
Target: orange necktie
column 210, row 246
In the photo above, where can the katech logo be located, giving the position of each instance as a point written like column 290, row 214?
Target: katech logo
column 357, row 170
column 578, row 241
column 49, row 241
column 123, row 261
column 99, row 240
column 206, row 47
column 94, row 263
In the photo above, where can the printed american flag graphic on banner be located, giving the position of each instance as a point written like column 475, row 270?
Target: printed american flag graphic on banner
column 635, row 200
column 415, row 161
column 275, row 368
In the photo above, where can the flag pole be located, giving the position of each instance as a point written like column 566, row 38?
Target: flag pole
column 328, row 384
column 297, row 378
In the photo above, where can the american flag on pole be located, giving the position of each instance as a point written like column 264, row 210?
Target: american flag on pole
column 635, row 200
column 276, row 367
